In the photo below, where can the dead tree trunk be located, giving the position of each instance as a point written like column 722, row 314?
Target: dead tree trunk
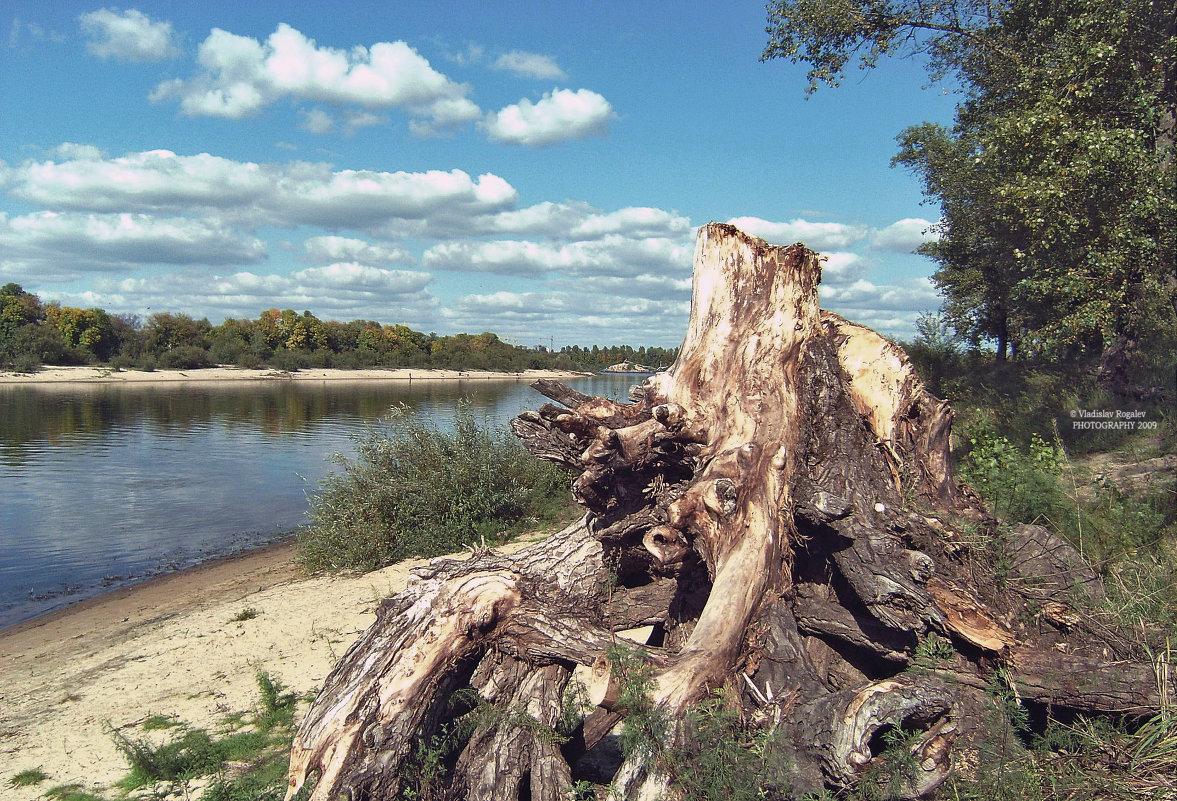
column 779, row 505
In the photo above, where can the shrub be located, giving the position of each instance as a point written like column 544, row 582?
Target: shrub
column 1020, row 485
column 185, row 357
column 416, row 490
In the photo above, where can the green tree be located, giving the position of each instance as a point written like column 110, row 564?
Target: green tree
column 1056, row 182
column 17, row 308
column 165, row 331
column 88, row 330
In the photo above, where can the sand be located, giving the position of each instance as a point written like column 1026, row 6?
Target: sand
column 171, row 646
column 107, row 375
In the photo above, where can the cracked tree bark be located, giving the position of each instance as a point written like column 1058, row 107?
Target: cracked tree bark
column 780, row 506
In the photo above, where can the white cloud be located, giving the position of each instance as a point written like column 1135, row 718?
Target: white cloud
column 541, row 317
column 316, row 121
column 327, row 249
column 633, row 222
column 903, row 236
column 471, row 55
column 559, row 116
column 363, row 278
column 860, row 297
column 530, row 65
column 152, row 180
column 815, row 235
column 612, row 255
column 78, row 152
column 355, row 119
column 253, row 194
column 842, row 267
column 243, row 75
column 128, row 36
column 339, row 292
column 56, row 246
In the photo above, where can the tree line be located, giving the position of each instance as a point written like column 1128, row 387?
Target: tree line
column 35, row 333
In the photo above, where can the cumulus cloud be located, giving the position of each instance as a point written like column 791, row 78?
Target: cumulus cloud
column 819, row 236
column 316, row 121
column 72, row 151
column 541, row 317
column 559, row 116
column 278, row 194
column 842, row 267
column 56, row 245
column 530, row 65
column 612, row 255
column 903, row 236
column 128, row 36
column 242, row 75
column 328, row 249
column 341, row 292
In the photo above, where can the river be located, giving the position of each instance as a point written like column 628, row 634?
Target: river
column 102, row 485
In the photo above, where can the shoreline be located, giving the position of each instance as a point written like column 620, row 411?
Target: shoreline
column 175, row 645
column 89, row 375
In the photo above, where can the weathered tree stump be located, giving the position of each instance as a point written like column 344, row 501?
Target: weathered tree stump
column 779, row 505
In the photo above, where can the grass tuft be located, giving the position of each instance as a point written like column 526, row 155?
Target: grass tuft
column 28, row 778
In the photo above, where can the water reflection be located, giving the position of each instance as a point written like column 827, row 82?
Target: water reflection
column 105, row 483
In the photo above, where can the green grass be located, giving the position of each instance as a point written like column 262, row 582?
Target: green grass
column 249, row 613
column 72, row 792
column 417, row 490
column 28, row 778
column 159, row 722
column 259, row 740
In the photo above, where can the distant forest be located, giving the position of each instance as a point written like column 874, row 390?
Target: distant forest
column 35, row 333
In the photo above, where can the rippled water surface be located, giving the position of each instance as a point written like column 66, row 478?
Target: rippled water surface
column 104, row 484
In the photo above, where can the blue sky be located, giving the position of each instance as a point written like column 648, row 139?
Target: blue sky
column 534, row 169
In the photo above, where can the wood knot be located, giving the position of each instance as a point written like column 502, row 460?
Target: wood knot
column 666, row 544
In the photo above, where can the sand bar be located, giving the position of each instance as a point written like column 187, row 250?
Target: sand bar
column 171, row 646
column 107, row 375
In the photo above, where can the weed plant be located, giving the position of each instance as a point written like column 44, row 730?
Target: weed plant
column 28, row 778
column 417, row 490
column 260, row 741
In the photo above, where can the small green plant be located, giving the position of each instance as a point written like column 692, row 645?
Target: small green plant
column 932, row 652
column 418, row 490
column 646, row 727
column 277, row 706
column 159, row 722
column 190, row 754
column 72, row 792
column 719, row 759
column 28, row 778
column 249, row 613
column 581, row 790
column 892, row 773
column 260, row 739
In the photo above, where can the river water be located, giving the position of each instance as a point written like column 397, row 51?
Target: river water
column 102, row 485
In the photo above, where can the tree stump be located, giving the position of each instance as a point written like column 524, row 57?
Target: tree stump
column 780, row 507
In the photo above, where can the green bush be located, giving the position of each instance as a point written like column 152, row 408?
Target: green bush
column 185, row 357
column 1020, row 485
column 416, row 490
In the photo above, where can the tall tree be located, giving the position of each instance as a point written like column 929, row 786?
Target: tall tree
column 1057, row 181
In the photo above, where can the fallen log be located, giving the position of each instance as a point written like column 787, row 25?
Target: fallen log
column 779, row 508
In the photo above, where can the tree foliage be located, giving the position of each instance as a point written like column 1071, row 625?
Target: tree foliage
column 34, row 333
column 1056, row 183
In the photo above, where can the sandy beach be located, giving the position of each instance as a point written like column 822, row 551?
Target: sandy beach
column 107, row 375
column 171, row 646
